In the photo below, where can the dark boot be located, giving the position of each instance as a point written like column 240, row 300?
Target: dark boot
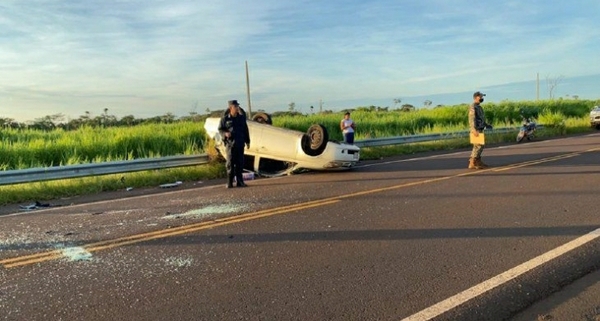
column 480, row 163
column 473, row 164
column 229, row 181
column 240, row 181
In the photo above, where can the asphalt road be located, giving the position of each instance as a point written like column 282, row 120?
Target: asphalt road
column 419, row 238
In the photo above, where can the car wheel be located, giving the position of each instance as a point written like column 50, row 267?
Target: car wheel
column 315, row 140
column 262, row 118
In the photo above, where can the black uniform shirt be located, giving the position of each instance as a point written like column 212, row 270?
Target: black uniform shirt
column 238, row 128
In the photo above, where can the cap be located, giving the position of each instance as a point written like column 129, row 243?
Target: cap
column 478, row 93
column 233, row 102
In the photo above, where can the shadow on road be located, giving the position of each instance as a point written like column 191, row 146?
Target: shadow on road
column 385, row 235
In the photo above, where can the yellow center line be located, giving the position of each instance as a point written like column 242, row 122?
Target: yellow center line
column 56, row 254
column 539, row 161
column 185, row 229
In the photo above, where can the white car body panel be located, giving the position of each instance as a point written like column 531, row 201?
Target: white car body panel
column 595, row 117
column 285, row 145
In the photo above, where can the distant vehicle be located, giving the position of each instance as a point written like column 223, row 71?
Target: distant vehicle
column 595, row 117
column 527, row 130
column 276, row 151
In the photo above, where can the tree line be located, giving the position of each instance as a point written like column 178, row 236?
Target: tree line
column 55, row 121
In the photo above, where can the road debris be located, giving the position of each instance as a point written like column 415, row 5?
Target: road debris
column 34, row 206
column 170, row 185
column 76, row 254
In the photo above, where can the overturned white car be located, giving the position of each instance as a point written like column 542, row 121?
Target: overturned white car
column 278, row 151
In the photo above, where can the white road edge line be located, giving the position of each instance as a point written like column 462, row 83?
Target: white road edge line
column 462, row 297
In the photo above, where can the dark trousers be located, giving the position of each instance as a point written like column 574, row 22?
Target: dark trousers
column 349, row 138
column 235, row 163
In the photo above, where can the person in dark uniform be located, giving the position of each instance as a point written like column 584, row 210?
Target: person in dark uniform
column 234, row 130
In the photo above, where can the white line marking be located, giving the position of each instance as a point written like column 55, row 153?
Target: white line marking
column 464, row 296
column 411, row 159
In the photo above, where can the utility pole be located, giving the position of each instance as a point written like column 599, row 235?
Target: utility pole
column 320, row 106
column 248, row 92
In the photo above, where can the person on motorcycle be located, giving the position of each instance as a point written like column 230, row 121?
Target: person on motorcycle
column 476, row 126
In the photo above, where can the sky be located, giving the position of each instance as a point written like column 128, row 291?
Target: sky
column 151, row 57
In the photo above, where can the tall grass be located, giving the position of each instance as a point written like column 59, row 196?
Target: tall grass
column 374, row 124
column 21, row 149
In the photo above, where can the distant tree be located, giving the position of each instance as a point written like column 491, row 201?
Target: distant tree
column 427, row 103
column 153, row 120
column 192, row 117
column 407, row 108
column 576, row 97
column 552, row 83
column 97, row 121
column 110, row 120
column 85, row 119
column 128, row 120
column 397, row 101
column 207, row 110
column 47, row 122
column 292, row 106
column 167, row 118
column 6, row 122
column 73, row 124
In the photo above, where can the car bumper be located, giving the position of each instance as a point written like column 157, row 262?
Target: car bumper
column 340, row 156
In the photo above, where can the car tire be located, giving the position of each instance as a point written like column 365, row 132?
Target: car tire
column 262, row 118
column 315, row 140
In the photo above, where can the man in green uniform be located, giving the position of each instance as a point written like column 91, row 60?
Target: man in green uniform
column 476, row 125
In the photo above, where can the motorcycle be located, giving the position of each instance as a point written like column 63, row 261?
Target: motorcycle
column 527, row 130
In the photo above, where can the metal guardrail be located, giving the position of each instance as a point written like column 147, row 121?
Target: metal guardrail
column 386, row 141
column 82, row 170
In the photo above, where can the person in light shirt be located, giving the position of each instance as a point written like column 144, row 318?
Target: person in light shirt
column 347, row 126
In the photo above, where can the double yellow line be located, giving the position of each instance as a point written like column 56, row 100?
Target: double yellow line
column 539, row 161
column 138, row 238
column 133, row 239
